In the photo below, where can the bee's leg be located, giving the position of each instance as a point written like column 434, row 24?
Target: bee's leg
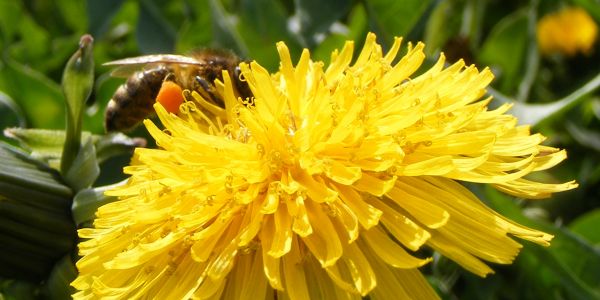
column 171, row 77
column 208, row 91
column 242, row 86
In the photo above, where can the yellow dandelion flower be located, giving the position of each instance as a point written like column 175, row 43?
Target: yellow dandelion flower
column 323, row 187
column 568, row 32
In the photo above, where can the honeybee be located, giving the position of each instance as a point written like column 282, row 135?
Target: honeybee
column 133, row 100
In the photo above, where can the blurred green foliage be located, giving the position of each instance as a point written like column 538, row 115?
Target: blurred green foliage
column 558, row 94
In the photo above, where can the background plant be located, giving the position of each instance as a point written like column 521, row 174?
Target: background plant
column 557, row 94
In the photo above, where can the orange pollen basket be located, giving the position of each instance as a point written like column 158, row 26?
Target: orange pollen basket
column 170, row 96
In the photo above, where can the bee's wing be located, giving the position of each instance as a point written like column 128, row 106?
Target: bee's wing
column 125, row 70
column 127, row 66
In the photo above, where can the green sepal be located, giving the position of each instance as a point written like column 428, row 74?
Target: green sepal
column 87, row 201
column 58, row 285
column 115, row 144
column 84, row 170
column 43, row 144
column 23, row 265
column 11, row 289
column 27, row 180
column 47, row 145
column 55, row 242
column 35, row 217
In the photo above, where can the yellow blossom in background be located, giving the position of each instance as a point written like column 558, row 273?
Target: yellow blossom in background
column 569, row 31
column 322, row 186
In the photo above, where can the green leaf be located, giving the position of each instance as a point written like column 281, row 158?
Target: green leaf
column 77, row 83
column 571, row 260
column 34, row 38
column 504, row 50
column 443, row 24
column 84, row 169
column 73, row 12
column 355, row 31
column 583, row 136
column 101, row 13
column 154, row 34
column 39, row 97
column 193, row 36
column 574, row 262
column 532, row 61
column 391, row 18
column 587, row 226
column 595, row 107
column 10, row 13
column 261, row 24
column 313, row 18
column 195, row 32
column 225, row 33
column 474, row 16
